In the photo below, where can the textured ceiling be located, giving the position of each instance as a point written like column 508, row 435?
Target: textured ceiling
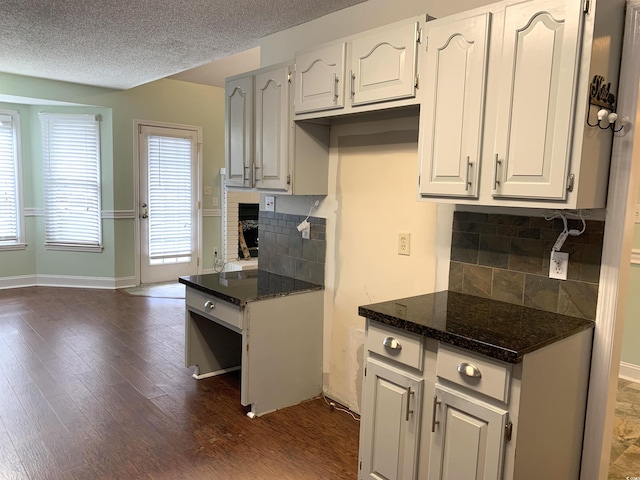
column 122, row 44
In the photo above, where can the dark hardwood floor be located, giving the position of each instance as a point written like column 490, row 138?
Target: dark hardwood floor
column 92, row 386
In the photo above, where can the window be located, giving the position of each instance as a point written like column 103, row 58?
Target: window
column 71, row 162
column 11, row 225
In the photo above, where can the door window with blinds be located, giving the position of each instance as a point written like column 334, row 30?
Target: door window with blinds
column 169, row 198
column 11, row 219
column 71, row 171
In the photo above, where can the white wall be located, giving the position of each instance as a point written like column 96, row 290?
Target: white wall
column 372, row 185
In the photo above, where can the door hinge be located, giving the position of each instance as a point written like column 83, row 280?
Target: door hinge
column 419, row 180
column 365, row 371
column 508, row 431
column 198, row 261
column 360, row 467
column 139, row 129
column 425, row 40
column 289, row 77
column 570, row 182
column 418, row 80
column 586, row 6
column 288, row 179
column 418, row 34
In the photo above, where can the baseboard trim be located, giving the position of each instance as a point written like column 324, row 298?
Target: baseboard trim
column 629, row 371
column 67, row 281
column 222, row 371
column 18, row 282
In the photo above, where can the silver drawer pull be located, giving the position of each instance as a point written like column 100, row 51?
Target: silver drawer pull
column 434, row 422
column 209, row 304
column 469, row 370
column 391, row 343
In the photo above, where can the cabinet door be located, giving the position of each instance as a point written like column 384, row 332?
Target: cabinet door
column 536, row 98
column 239, row 131
column 272, row 128
column 451, row 116
column 383, row 65
column 468, row 440
column 390, row 423
column 319, row 80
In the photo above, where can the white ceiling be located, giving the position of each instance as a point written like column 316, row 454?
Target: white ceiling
column 124, row 43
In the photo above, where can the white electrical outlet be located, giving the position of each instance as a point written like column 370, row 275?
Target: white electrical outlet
column 558, row 265
column 404, row 244
column 269, row 203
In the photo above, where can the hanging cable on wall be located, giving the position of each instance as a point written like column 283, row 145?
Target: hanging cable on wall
column 566, row 232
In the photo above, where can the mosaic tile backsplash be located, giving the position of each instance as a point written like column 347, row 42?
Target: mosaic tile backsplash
column 283, row 251
column 506, row 258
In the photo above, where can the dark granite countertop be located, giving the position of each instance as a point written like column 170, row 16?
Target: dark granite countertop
column 496, row 329
column 247, row 285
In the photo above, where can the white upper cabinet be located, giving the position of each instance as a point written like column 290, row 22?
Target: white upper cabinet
column 239, row 131
column 320, row 78
column 272, row 129
column 370, row 71
column 264, row 148
column 537, row 73
column 454, row 94
column 505, row 102
column 383, row 64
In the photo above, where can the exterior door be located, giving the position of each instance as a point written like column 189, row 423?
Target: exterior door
column 468, row 442
column 389, row 434
column 536, row 99
column 168, row 210
column 451, row 121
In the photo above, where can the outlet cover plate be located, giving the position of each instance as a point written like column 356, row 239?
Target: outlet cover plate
column 269, row 203
column 404, row 244
column 558, row 265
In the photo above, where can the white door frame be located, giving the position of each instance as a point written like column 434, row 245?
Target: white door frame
column 137, row 124
column 624, row 179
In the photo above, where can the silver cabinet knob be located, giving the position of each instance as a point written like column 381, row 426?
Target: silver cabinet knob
column 209, row 304
column 469, row 370
column 391, row 343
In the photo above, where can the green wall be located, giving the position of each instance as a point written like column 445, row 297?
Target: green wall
column 168, row 101
column 631, row 337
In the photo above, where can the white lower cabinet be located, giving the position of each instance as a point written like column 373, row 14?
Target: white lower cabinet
column 445, row 412
column 393, row 400
column 468, row 440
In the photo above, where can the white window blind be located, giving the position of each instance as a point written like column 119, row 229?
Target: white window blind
column 10, row 218
column 170, row 204
column 71, row 162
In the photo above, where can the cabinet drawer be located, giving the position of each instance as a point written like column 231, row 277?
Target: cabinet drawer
column 214, row 309
column 480, row 374
column 403, row 347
